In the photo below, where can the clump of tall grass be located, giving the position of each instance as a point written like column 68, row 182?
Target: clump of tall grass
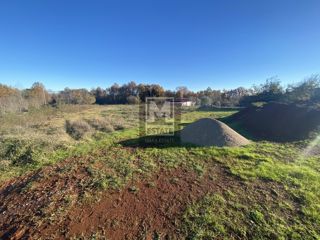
column 120, row 124
column 102, row 125
column 77, row 129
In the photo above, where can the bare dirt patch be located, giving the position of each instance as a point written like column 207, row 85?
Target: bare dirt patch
column 143, row 209
column 51, row 203
column 33, row 201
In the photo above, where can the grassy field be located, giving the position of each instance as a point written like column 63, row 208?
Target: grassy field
column 39, row 137
column 261, row 191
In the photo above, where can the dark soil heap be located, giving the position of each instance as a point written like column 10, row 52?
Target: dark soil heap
column 277, row 122
column 211, row 132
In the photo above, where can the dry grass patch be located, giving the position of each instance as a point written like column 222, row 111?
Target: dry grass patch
column 77, row 129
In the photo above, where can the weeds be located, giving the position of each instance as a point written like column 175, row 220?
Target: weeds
column 77, row 129
column 102, row 125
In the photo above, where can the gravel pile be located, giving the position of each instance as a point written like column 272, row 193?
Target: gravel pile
column 211, row 132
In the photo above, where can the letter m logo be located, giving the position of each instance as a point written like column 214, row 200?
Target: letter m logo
column 159, row 109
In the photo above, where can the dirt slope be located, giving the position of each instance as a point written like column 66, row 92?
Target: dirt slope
column 211, row 132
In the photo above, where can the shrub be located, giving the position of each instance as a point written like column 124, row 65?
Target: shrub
column 205, row 101
column 102, row 125
column 20, row 152
column 77, row 129
column 27, row 157
column 133, row 100
column 119, row 125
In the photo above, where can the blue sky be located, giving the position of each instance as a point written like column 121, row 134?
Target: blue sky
column 221, row 44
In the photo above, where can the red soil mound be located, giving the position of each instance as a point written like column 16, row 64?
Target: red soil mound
column 277, row 122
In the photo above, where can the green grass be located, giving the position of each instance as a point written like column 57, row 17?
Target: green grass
column 230, row 217
column 279, row 163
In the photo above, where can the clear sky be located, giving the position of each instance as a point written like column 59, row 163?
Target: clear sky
column 198, row 43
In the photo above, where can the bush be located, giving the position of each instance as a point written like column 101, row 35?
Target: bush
column 27, row 157
column 120, row 124
column 133, row 100
column 205, row 101
column 102, row 125
column 77, row 129
column 19, row 152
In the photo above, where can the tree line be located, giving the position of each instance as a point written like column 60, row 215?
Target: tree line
column 306, row 92
column 15, row 100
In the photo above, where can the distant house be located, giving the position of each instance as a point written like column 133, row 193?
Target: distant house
column 184, row 102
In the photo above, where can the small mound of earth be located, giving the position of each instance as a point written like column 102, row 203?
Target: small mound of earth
column 211, row 132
